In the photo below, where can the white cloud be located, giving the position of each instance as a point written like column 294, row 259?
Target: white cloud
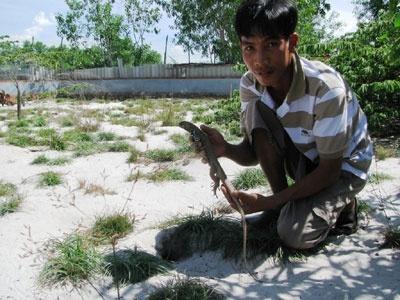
column 39, row 23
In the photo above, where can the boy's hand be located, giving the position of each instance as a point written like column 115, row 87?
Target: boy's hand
column 216, row 139
column 250, row 203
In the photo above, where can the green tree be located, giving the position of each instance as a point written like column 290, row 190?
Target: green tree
column 208, row 26
column 370, row 61
column 141, row 16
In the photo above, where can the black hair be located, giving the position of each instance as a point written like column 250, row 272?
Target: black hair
column 273, row 18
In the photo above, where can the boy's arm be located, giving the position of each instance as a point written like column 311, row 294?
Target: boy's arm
column 241, row 153
column 325, row 174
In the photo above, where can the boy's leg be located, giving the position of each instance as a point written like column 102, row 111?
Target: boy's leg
column 303, row 224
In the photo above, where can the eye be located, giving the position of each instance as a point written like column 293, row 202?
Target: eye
column 248, row 48
column 272, row 44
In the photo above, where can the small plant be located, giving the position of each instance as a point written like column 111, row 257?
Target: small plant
column 169, row 117
column 249, row 178
column 106, row 227
column 119, row 147
column 182, row 141
column 41, row 160
column 50, row 179
column 67, row 121
column 134, row 155
column 382, row 152
column 378, row 177
column 161, row 155
column 88, row 125
column 392, row 238
column 39, row 121
column 76, row 136
column 9, row 199
column 10, row 205
column 87, row 148
column 186, row 289
column 44, row 160
column 73, row 260
column 106, row 136
column 133, row 266
column 20, row 139
column 166, row 174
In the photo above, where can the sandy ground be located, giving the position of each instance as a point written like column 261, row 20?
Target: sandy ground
column 351, row 267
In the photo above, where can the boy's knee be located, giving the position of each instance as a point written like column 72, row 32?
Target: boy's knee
column 300, row 237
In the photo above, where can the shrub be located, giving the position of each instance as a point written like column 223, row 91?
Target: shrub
column 119, row 147
column 9, row 199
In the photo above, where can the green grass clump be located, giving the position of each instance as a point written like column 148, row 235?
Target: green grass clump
column 73, row 260
column 169, row 117
column 378, row 177
column 39, row 121
column 134, row 155
column 87, row 148
column 10, row 201
column 20, row 139
column 161, row 155
column 10, row 205
column 50, row 179
column 119, row 147
column 106, row 227
column 206, row 232
column 67, row 121
column 22, row 123
column 249, row 178
column 192, row 289
column 77, row 136
column 382, row 152
column 182, row 141
column 392, row 238
column 44, row 160
column 106, row 136
column 133, row 266
column 163, row 175
column 7, row 189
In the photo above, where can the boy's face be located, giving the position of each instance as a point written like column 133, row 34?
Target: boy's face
column 269, row 58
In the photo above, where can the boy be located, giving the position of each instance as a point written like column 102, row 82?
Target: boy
column 299, row 118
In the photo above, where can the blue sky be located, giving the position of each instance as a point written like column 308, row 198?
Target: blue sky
column 22, row 19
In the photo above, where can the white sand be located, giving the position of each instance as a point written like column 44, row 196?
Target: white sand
column 351, row 267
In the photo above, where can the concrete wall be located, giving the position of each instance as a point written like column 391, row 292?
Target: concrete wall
column 135, row 87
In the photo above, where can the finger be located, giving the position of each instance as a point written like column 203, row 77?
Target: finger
column 228, row 196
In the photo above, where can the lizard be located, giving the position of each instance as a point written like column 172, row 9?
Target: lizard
column 218, row 176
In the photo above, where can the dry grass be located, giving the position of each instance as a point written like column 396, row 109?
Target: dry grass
column 95, row 189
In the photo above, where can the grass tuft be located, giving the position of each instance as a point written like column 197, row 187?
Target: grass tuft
column 166, row 174
column 10, row 201
column 119, row 147
column 50, row 179
column 73, row 260
column 249, row 178
column 161, row 155
column 106, row 227
column 382, row 152
column 378, row 177
column 392, row 238
column 133, row 266
column 207, row 232
column 134, row 155
column 59, row 161
column 193, row 289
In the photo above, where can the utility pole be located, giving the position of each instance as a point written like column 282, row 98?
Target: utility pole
column 165, row 51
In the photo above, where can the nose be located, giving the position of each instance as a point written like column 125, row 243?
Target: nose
column 261, row 58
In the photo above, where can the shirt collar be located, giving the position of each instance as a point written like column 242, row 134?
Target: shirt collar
column 298, row 86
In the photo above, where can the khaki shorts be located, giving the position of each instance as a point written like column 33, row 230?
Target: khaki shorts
column 306, row 222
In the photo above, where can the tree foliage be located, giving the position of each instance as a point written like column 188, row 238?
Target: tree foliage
column 369, row 59
column 207, row 25
column 88, row 21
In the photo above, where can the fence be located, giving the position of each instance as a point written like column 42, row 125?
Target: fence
column 170, row 71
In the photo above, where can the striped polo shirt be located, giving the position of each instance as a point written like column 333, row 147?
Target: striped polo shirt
column 321, row 115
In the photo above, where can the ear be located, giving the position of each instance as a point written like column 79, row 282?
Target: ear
column 293, row 40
